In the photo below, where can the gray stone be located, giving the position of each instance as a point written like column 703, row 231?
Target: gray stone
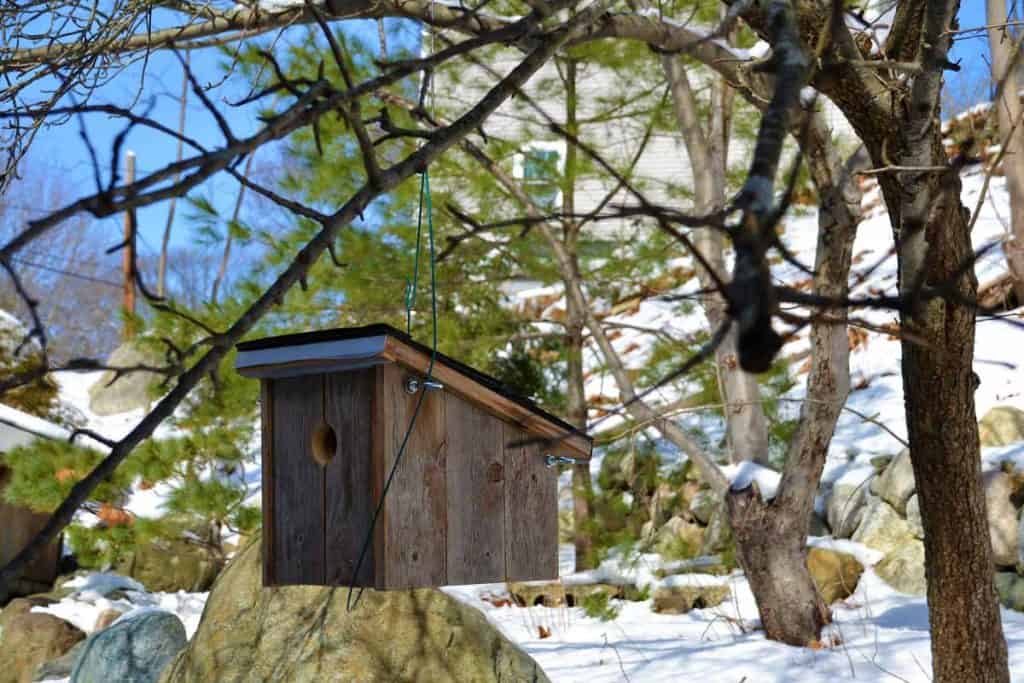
column 896, row 483
column 914, row 517
column 703, row 506
column 882, row 528
column 1003, row 527
column 903, row 568
column 1001, row 426
column 1011, row 590
column 135, row 649
column 305, row 633
column 131, row 390
column 845, row 508
column 718, row 534
column 679, row 539
column 61, row 667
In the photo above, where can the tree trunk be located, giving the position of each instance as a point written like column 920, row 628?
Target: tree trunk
column 967, row 638
column 934, row 245
column 582, row 488
column 746, row 425
column 770, row 543
column 1002, row 45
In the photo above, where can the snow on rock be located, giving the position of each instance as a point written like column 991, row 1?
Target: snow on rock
column 746, row 473
column 92, row 596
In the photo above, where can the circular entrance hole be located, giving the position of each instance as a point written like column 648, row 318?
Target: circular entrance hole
column 325, row 443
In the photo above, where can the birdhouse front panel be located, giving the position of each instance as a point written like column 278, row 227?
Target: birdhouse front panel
column 473, row 498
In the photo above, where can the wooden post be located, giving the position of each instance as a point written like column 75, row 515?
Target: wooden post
column 128, row 260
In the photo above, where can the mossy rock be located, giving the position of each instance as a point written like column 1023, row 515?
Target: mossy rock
column 29, row 639
column 682, row 599
column 1001, row 426
column 170, row 566
column 557, row 594
column 835, row 574
column 305, row 633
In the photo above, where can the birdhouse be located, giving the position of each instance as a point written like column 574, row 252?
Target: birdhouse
column 474, row 496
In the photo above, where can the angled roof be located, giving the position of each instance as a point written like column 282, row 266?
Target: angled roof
column 356, row 347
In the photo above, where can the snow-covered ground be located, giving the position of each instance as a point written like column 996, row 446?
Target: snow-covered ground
column 879, row 634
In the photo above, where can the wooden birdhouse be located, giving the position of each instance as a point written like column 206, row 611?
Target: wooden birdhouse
column 474, row 497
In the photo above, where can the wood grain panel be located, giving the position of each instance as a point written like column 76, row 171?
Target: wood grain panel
column 414, row 523
column 531, row 512
column 349, row 499
column 476, row 493
column 571, row 445
column 298, row 482
column 267, row 474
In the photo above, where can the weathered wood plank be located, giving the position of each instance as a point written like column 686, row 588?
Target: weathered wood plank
column 476, row 493
column 267, row 464
column 298, row 482
column 415, row 520
column 572, row 445
column 531, row 512
column 349, row 499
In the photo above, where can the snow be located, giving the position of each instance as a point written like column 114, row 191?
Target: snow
column 92, row 596
column 746, row 473
column 879, row 635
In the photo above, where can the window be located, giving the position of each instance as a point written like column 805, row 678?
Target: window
column 540, row 169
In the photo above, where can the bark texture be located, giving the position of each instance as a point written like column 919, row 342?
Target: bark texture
column 1005, row 62
column 770, row 544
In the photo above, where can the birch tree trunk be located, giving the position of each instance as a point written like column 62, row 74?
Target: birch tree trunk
column 1002, row 46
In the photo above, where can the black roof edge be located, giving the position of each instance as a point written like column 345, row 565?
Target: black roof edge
column 383, row 329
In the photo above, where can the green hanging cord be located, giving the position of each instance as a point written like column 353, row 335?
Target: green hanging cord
column 350, row 603
column 410, row 286
column 433, row 270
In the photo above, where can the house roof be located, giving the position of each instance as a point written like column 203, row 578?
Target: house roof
column 356, row 347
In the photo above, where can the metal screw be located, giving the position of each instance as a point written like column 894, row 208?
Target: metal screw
column 412, row 385
column 553, row 460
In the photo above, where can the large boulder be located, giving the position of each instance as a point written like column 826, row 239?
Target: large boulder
column 896, row 484
column 29, row 639
column 914, row 517
column 845, row 508
column 718, row 538
column 703, row 505
column 135, row 649
column 1002, row 518
column 903, row 568
column 305, row 633
column 170, row 566
column 835, row 574
column 130, row 391
column 882, row 528
column 679, row 539
column 1001, row 426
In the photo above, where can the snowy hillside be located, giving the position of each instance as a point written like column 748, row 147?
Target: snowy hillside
column 879, row 634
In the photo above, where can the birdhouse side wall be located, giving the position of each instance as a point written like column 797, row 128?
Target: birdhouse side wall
column 465, row 506
column 412, row 534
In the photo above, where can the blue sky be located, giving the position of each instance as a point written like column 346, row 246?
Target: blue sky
column 59, row 149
